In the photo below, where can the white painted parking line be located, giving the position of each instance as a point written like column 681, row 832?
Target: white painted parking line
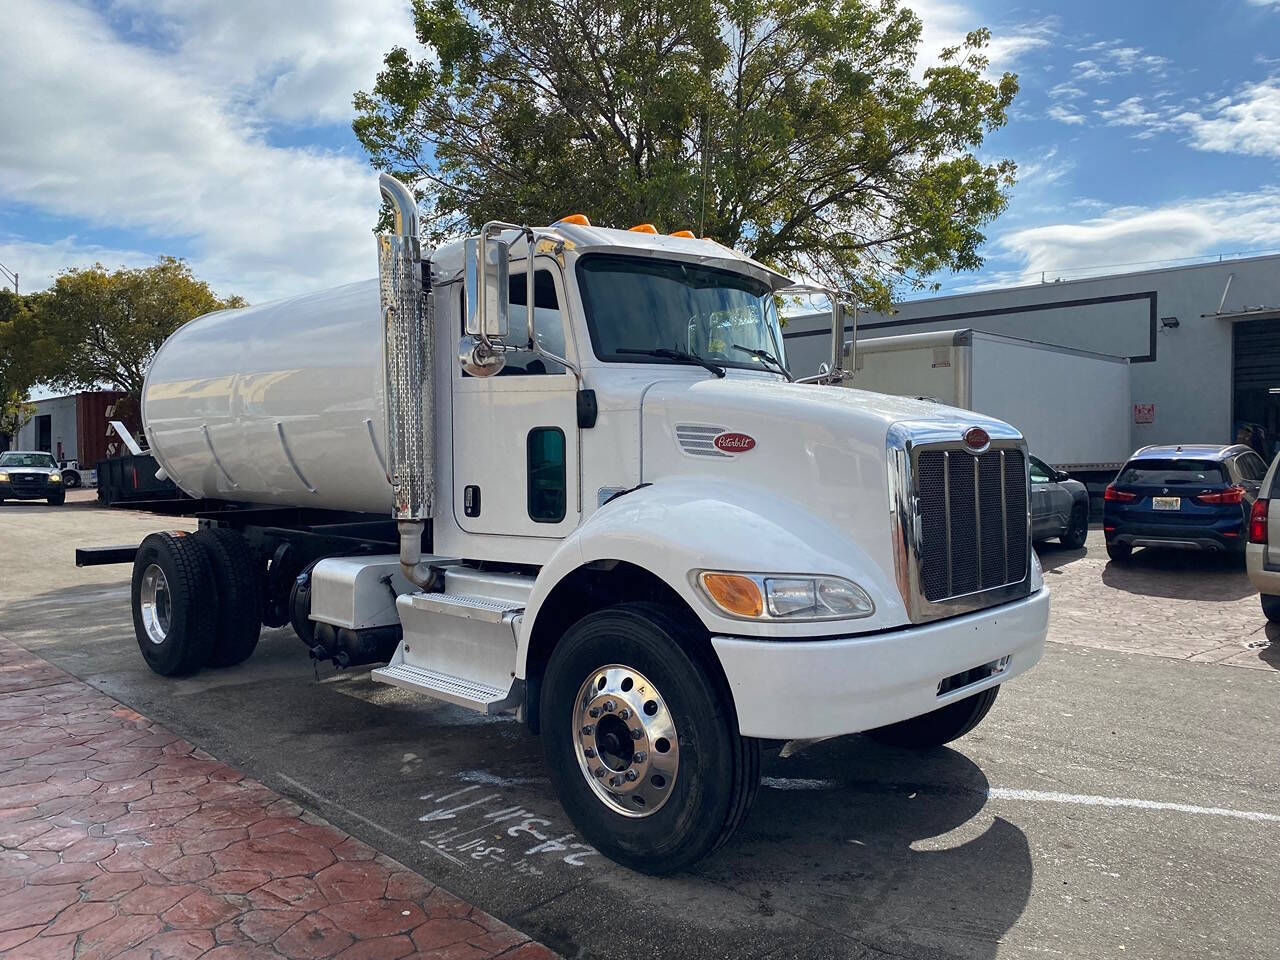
column 1088, row 800
column 1052, row 796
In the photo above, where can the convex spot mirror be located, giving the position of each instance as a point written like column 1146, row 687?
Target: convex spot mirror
column 488, row 314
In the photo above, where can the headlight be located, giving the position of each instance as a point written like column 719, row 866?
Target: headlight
column 764, row 596
column 4, row 477
column 55, row 478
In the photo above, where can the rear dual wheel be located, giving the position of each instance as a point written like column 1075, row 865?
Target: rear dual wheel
column 642, row 740
column 197, row 600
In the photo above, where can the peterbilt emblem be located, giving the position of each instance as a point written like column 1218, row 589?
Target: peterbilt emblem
column 734, row 442
column 977, row 439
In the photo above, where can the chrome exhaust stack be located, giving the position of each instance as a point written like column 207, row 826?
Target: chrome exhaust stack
column 404, row 286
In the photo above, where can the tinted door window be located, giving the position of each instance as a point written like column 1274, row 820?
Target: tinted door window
column 547, row 481
column 1251, row 467
column 1040, row 472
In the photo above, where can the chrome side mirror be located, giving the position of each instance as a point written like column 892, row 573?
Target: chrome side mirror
column 487, row 291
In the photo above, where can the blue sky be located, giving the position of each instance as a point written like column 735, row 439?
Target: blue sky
column 219, row 130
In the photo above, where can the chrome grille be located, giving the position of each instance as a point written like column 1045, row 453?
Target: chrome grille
column 972, row 512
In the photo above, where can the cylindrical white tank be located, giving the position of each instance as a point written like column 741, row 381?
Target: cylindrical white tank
column 280, row 403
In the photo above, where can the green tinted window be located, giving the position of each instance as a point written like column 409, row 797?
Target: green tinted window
column 547, row 485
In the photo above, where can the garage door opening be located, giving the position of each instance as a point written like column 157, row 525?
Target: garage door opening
column 1255, row 400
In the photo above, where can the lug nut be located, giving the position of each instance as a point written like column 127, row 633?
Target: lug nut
column 636, row 734
column 599, row 772
column 615, row 782
column 625, row 713
column 589, row 729
column 639, row 757
column 594, row 711
column 589, row 752
column 632, row 775
column 609, row 706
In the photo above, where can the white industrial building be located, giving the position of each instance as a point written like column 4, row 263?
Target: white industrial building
column 1203, row 342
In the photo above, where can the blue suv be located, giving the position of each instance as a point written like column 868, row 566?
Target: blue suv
column 1188, row 497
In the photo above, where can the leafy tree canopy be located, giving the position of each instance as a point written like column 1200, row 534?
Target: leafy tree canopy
column 94, row 327
column 795, row 130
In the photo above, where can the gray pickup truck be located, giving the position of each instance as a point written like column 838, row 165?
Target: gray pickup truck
column 30, row 475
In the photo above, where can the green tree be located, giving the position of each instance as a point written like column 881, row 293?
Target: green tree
column 795, row 130
column 93, row 328
column 16, row 363
column 15, row 413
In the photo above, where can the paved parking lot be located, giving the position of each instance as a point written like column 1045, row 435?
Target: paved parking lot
column 1122, row 800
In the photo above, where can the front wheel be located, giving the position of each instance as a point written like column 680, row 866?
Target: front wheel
column 642, row 739
column 1078, row 529
column 58, row 499
column 939, row 726
column 71, row 479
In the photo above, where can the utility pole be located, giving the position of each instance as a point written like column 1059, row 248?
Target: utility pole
column 9, row 275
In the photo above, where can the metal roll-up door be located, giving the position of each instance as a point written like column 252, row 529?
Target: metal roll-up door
column 1255, row 373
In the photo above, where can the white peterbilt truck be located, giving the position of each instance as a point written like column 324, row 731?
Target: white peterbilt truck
column 613, row 514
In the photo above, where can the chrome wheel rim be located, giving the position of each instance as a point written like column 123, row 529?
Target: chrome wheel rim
column 625, row 739
column 155, row 603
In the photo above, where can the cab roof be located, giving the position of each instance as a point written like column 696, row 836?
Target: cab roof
column 448, row 258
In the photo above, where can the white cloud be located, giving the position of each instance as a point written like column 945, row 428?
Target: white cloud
column 1065, row 115
column 947, row 21
column 1247, row 123
column 41, row 262
column 111, row 132
column 1230, row 222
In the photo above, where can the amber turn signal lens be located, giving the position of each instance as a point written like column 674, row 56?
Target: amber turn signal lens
column 735, row 595
column 579, row 219
column 644, row 228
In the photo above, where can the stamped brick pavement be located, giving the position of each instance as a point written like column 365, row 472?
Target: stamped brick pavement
column 1186, row 606
column 118, row 839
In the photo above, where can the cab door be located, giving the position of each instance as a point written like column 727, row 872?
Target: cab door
column 515, row 434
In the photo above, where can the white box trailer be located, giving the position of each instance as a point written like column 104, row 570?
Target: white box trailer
column 1071, row 405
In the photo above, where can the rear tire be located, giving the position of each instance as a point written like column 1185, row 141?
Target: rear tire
column 58, row 499
column 1271, row 607
column 238, row 621
column 1078, row 529
column 174, row 603
column 694, row 804
column 939, row 726
column 1119, row 552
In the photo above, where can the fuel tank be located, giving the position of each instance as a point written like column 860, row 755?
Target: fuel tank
column 281, row 403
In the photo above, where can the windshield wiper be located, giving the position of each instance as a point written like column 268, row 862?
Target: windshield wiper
column 768, row 358
column 680, row 356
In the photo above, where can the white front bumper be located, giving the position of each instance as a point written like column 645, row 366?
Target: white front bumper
column 796, row 689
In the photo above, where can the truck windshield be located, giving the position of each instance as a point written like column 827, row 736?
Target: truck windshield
column 645, row 304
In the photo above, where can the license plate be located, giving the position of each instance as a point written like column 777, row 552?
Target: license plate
column 1166, row 503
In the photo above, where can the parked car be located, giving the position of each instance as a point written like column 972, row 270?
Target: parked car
column 30, row 475
column 1186, row 497
column 1059, row 506
column 1262, row 552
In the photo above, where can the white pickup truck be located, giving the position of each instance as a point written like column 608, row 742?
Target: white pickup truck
column 613, row 515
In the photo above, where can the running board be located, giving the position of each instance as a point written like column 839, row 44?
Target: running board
column 455, row 690
column 485, row 609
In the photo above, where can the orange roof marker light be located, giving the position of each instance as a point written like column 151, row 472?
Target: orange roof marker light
column 643, row 228
column 577, row 219
column 684, row 233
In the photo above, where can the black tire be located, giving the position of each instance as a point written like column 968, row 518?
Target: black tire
column 939, row 726
column 719, row 769
column 1119, row 552
column 192, row 602
column 71, row 479
column 58, row 499
column 1078, row 529
column 1271, row 607
column 239, row 577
